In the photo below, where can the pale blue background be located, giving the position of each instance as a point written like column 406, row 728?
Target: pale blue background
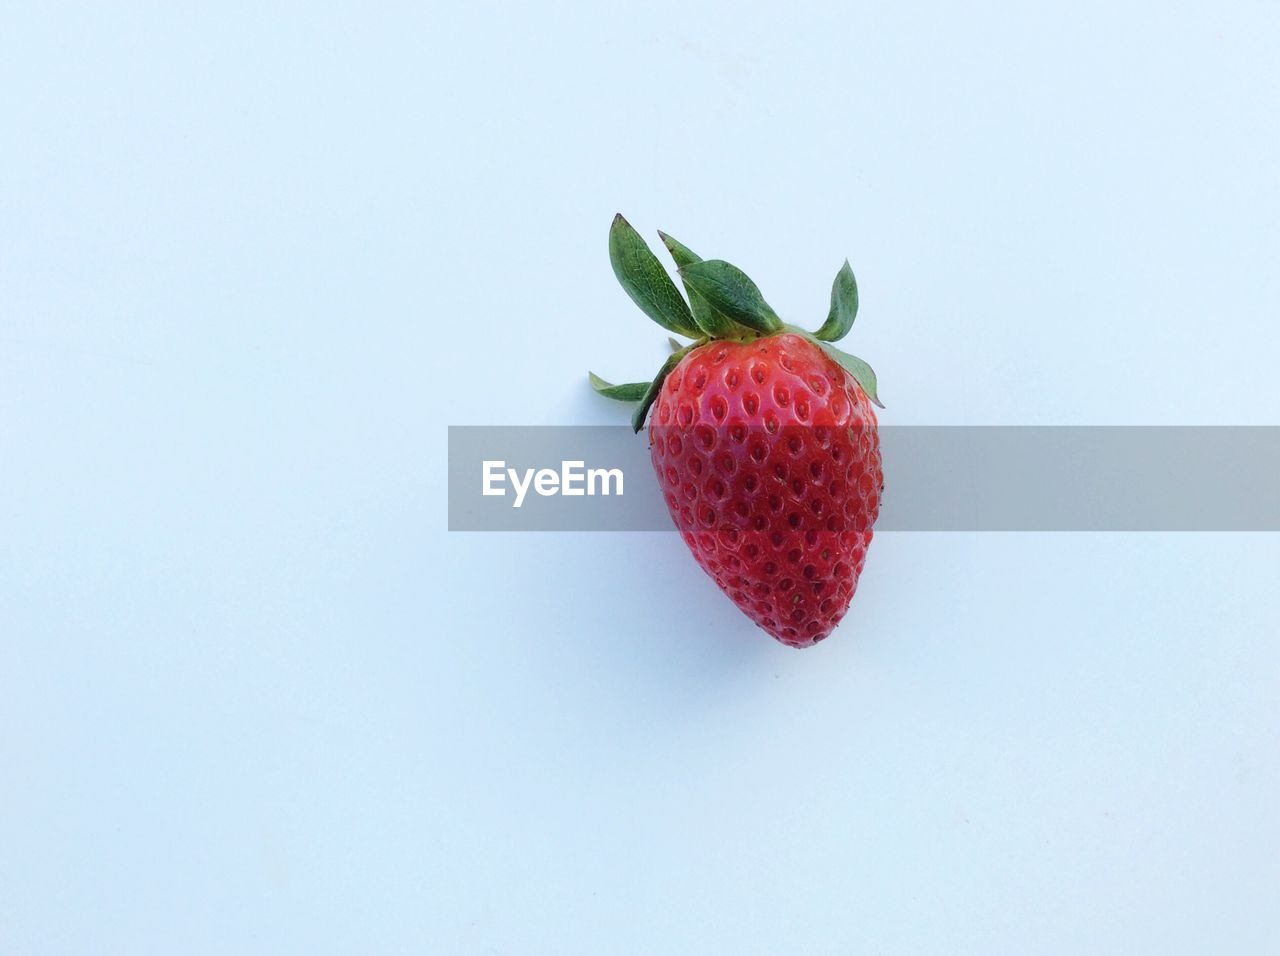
column 255, row 699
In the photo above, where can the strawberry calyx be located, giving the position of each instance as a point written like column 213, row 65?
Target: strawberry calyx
column 723, row 304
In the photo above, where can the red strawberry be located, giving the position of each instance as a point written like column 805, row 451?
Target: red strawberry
column 770, row 464
column 762, row 437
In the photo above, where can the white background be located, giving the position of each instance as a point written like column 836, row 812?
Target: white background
column 255, row 698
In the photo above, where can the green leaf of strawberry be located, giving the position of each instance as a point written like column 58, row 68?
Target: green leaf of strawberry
column 644, row 279
column 630, row 392
column 844, row 306
column 713, row 323
column 730, row 293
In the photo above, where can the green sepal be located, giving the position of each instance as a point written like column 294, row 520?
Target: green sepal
column 630, row 392
column 646, row 282
column 713, row 323
column 844, row 306
column 674, row 343
column 651, row 393
column 860, row 370
column 730, row 293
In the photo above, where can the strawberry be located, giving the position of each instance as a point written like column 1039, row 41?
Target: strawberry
column 762, row 437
